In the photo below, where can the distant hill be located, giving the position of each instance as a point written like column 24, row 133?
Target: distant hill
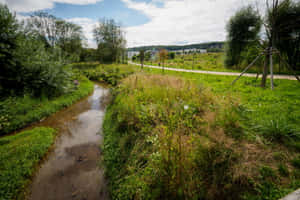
column 208, row 45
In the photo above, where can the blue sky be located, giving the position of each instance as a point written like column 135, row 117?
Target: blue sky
column 146, row 22
column 115, row 9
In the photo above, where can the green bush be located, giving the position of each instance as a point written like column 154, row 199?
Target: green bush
column 110, row 74
column 17, row 112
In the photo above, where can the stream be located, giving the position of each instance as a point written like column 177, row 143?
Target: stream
column 71, row 170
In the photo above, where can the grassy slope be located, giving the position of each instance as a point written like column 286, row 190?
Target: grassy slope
column 17, row 112
column 262, row 106
column 260, row 124
column 18, row 156
column 209, row 62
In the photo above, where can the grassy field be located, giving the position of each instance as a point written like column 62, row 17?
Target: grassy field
column 108, row 74
column 184, row 135
column 17, row 112
column 210, row 62
column 19, row 154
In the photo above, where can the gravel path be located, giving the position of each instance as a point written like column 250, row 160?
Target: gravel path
column 276, row 76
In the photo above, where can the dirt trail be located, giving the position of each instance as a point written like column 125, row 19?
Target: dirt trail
column 71, row 171
column 276, row 76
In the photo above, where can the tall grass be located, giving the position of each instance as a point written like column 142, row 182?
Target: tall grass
column 168, row 138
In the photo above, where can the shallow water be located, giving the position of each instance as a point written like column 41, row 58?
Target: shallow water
column 71, row 170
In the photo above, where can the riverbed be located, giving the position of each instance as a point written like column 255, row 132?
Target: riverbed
column 72, row 168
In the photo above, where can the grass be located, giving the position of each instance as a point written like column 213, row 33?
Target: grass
column 19, row 154
column 210, row 62
column 273, row 114
column 194, row 136
column 109, row 74
column 17, row 112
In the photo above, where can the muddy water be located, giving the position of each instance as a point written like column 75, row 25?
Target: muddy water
column 71, row 171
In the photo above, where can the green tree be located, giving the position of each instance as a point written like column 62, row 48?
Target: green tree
column 9, row 70
column 172, row 55
column 242, row 29
column 142, row 57
column 282, row 32
column 56, row 32
column 110, row 40
column 284, row 18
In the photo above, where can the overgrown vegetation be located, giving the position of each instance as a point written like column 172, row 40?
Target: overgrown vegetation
column 33, row 54
column 174, row 138
column 19, row 154
column 281, row 36
column 109, row 74
column 19, row 111
column 215, row 62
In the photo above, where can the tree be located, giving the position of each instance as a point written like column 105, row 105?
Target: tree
column 242, row 29
column 56, row 32
column 282, row 32
column 142, row 57
column 88, row 55
column 285, row 21
column 8, row 45
column 163, row 55
column 171, row 55
column 110, row 40
column 148, row 56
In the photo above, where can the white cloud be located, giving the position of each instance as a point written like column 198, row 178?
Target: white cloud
column 34, row 5
column 87, row 25
column 182, row 21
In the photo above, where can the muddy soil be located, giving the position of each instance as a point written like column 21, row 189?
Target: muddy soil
column 72, row 169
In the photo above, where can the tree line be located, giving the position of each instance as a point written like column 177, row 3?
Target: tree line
column 35, row 51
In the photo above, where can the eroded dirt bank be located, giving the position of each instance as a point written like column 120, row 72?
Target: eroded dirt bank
column 71, row 171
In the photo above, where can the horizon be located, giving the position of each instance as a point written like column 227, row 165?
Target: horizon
column 145, row 22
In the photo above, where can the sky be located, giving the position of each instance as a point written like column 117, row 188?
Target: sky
column 145, row 22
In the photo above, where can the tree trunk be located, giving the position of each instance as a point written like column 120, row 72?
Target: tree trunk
column 265, row 72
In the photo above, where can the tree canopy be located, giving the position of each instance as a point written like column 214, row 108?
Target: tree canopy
column 242, row 29
column 110, row 40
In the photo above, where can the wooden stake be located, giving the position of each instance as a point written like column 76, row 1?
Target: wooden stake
column 254, row 61
column 271, row 69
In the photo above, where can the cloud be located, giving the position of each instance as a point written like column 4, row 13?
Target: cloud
column 182, row 21
column 34, row 5
column 87, row 25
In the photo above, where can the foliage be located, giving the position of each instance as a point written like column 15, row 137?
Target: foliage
column 17, row 112
column 38, row 50
column 243, row 29
column 19, row 154
column 215, row 62
column 110, row 40
column 169, row 138
column 42, row 72
column 285, row 22
column 217, row 45
column 88, row 55
column 56, row 33
column 8, row 46
column 84, row 65
column 110, row 74
column 163, row 55
column 171, row 55
column 142, row 57
column 268, row 113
